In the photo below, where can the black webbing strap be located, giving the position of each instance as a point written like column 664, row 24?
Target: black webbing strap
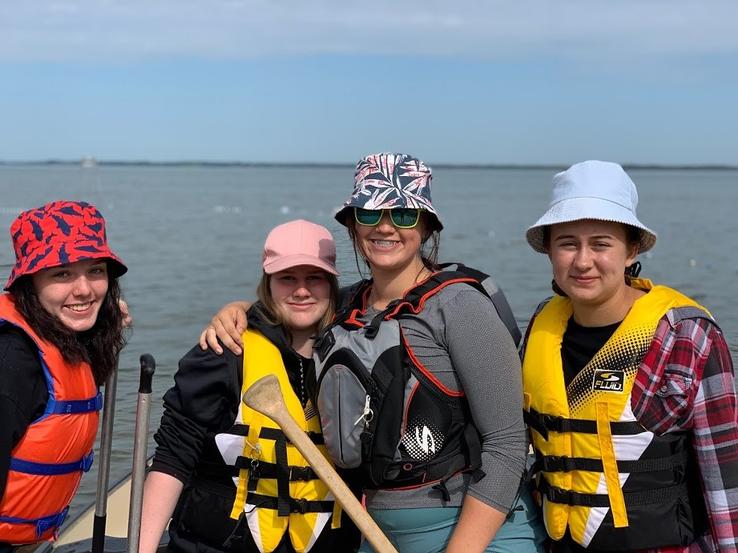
column 301, row 506
column 646, row 497
column 474, row 447
column 543, row 424
column 551, row 463
column 283, row 483
column 271, row 470
column 272, row 433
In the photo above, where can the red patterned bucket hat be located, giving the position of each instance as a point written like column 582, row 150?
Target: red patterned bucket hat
column 59, row 233
column 390, row 181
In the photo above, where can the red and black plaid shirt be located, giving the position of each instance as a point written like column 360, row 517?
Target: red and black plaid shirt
column 686, row 383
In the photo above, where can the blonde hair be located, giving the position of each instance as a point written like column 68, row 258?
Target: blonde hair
column 269, row 312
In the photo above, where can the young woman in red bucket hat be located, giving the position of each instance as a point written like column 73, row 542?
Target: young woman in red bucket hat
column 61, row 329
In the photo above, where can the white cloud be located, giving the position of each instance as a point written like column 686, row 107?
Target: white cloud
column 125, row 30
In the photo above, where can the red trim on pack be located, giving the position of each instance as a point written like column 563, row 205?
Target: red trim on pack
column 415, row 309
column 353, row 318
column 437, row 383
column 424, row 482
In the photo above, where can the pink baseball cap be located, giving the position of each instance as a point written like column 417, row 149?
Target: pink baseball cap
column 296, row 243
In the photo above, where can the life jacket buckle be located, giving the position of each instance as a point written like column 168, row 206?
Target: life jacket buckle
column 52, row 522
column 554, row 423
column 255, row 450
column 299, row 505
column 303, row 474
column 87, row 461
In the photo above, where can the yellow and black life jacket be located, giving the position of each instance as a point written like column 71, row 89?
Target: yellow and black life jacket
column 277, row 491
column 605, row 480
column 46, row 465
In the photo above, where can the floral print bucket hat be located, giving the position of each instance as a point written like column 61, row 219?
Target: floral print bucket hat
column 391, row 181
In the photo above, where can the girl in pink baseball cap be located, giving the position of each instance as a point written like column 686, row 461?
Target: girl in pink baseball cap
column 226, row 473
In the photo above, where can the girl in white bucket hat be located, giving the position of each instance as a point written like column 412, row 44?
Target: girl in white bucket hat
column 628, row 386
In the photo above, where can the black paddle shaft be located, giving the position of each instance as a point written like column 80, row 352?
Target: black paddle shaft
column 148, row 366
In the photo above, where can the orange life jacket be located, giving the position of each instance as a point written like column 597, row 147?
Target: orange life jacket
column 47, row 463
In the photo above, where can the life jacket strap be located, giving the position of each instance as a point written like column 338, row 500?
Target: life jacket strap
column 51, row 469
column 273, row 470
column 553, row 463
column 43, row 524
column 283, row 485
column 646, row 497
column 272, row 433
column 301, row 506
column 543, row 424
column 74, row 407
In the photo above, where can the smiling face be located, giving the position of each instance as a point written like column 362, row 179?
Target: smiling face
column 589, row 259
column 302, row 295
column 73, row 293
column 391, row 250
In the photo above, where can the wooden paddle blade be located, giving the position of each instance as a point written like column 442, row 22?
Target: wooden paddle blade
column 265, row 396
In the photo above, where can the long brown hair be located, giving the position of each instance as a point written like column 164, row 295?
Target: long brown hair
column 98, row 346
column 268, row 309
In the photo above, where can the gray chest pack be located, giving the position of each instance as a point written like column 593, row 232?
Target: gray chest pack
column 382, row 412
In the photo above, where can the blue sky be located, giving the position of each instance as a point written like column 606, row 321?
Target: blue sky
column 636, row 81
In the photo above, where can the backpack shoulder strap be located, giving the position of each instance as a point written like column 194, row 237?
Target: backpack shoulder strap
column 415, row 299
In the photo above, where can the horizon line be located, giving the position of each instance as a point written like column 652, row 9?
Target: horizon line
column 89, row 162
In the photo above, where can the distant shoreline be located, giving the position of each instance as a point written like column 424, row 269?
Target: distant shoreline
column 309, row 165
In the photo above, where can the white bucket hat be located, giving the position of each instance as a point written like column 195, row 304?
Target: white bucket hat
column 599, row 190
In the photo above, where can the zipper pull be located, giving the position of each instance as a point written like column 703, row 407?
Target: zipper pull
column 368, row 414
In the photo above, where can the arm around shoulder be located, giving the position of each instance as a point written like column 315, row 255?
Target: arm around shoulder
column 227, row 325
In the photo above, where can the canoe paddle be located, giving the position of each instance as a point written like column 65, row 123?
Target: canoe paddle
column 106, row 441
column 265, row 396
column 141, row 438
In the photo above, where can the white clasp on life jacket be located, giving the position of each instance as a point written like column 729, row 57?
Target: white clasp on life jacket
column 255, row 449
column 368, row 414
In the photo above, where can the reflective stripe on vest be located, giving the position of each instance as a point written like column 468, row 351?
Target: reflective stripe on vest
column 586, row 437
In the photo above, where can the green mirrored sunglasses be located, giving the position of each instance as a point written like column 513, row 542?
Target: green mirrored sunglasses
column 403, row 217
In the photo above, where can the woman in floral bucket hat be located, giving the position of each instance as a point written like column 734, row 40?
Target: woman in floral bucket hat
column 629, row 389
column 61, row 329
column 436, row 431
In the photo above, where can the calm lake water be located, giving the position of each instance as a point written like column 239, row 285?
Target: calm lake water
column 192, row 239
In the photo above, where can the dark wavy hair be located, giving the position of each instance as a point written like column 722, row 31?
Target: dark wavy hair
column 98, row 346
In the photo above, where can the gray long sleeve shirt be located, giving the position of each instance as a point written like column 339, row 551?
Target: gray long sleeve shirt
column 459, row 337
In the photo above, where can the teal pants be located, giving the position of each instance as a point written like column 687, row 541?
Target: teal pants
column 429, row 530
